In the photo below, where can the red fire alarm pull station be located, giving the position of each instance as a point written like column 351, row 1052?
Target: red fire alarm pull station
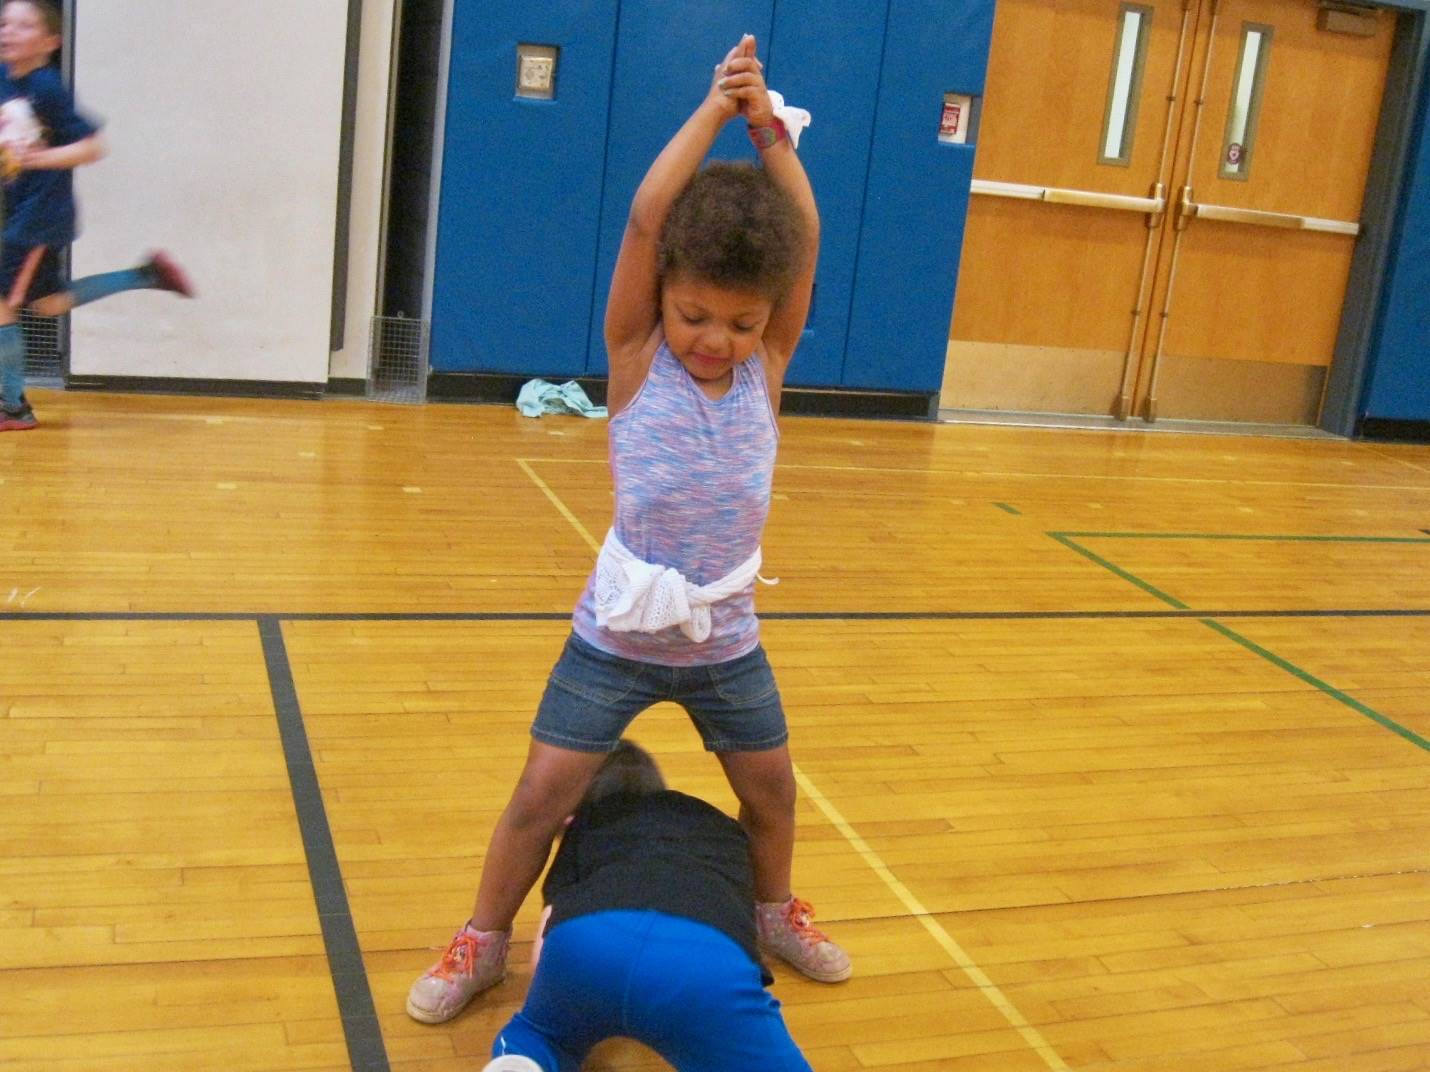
column 954, row 122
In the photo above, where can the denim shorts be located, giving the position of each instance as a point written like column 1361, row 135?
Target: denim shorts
column 592, row 696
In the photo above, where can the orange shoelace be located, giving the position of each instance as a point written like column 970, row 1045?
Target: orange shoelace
column 801, row 915
column 460, row 957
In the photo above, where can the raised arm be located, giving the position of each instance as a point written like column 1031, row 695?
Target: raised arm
column 783, row 166
column 633, row 308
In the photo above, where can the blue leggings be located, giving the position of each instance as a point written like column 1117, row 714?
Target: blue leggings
column 685, row 990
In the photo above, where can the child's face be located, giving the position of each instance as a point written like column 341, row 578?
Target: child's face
column 709, row 329
column 25, row 37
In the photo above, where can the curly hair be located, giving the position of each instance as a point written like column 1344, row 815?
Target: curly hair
column 733, row 227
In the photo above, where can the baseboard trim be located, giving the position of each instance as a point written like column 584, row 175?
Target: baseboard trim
column 499, row 387
column 796, row 401
column 165, row 385
column 1391, row 429
column 842, row 402
column 502, row 389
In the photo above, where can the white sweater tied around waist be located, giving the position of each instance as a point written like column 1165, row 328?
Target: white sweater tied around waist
column 633, row 596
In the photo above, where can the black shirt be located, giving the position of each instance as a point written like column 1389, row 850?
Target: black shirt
column 663, row 851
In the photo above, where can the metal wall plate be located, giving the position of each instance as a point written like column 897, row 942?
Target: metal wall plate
column 536, row 71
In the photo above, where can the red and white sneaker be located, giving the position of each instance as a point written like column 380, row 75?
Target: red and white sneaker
column 787, row 931
column 473, row 961
column 168, row 275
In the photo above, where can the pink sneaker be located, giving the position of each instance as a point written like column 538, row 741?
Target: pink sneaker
column 474, row 961
column 787, row 931
column 168, row 275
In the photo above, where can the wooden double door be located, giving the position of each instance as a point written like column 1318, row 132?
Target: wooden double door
column 1167, row 200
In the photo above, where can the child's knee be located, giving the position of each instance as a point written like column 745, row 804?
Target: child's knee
column 533, row 809
column 769, row 796
column 542, row 801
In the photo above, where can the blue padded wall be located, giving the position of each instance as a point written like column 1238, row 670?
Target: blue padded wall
column 917, row 196
column 824, row 56
column 521, row 190
column 1399, row 379
column 535, row 193
column 665, row 58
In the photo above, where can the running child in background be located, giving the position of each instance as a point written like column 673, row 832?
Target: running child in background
column 42, row 140
column 709, row 296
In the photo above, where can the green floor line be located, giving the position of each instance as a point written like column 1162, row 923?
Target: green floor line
column 1065, row 539
column 1238, row 536
column 1310, row 679
column 1009, row 509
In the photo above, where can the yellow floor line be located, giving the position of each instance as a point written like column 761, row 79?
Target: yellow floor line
column 975, row 974
column 556, row 502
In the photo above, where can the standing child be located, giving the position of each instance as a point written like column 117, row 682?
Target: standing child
column 709, row 296
column 42, row 140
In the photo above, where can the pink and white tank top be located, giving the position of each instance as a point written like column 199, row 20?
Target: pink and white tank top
column 692, row 479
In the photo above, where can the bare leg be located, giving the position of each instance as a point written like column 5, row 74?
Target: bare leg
column 764, row 782
column 550, row 788
column 54, row 304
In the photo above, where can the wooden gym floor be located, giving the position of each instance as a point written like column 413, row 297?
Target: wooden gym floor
column 1113, row 746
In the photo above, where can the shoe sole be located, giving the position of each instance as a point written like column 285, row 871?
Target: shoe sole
column 16, row 426
column 819, row 977
column 512, row 1063
column 423, row 1016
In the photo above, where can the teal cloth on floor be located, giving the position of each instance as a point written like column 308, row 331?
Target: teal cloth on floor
column 538, row 397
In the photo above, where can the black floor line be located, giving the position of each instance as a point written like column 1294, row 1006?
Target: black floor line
column 361, row 1029
column 355, row 1005
column 775, row 616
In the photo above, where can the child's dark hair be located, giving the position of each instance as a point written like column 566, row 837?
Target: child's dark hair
column 628, row 769
column 49, row 11
column 734, row 227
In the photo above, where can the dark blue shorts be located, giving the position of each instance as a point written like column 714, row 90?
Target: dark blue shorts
column 44, row 278
column 682, row 988
column 592, row 696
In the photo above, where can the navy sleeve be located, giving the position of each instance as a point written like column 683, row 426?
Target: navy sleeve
column 55, row 107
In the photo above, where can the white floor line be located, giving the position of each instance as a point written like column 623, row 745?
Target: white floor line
column 561, row 506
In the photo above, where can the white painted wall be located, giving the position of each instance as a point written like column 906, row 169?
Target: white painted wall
column 223, row 122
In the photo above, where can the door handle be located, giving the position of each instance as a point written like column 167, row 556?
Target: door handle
column 1057, row 196
column 1257, row 218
